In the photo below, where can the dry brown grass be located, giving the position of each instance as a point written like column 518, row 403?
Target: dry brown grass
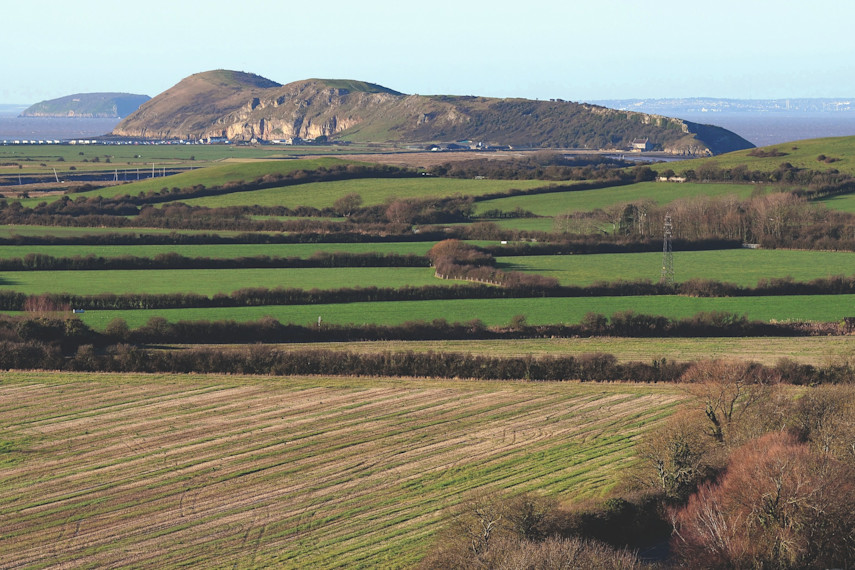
column 815, row 350
column 160, row 470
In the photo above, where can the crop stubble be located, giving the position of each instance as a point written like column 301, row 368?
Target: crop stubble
column 112, row 470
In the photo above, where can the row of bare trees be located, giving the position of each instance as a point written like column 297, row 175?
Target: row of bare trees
column 454, row 259
column 774, row 219
column 756, row 476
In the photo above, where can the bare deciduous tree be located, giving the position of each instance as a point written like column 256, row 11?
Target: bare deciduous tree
column 727, row 391
column 678, row 456
column 779, row 505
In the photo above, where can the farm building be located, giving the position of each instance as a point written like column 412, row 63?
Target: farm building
column 641, row 144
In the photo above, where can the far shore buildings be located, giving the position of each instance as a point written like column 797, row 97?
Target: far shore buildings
column 641, row 145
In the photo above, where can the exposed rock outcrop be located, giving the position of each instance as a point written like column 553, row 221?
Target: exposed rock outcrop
column 243, row 107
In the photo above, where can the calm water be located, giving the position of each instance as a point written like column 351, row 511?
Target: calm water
column 43, row 128
column 761, row 128
column 764, row 129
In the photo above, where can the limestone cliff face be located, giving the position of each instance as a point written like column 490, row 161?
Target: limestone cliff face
column 243, row 107
column 196, row 109
column 307, row 110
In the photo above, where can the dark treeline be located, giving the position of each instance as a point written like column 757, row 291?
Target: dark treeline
column 177, row 238
column 41, row 262
column 598, row 244
column 454, row 259
column 71, row 332
column 621, row 324
column 261, row 359
column 544, row 165
column 812, row 184
column 267, row 360
column 558, row 245
column 773, row 220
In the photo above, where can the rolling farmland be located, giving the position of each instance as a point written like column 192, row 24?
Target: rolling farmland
column 372, row 191
column 163, row 470
column 587, row 200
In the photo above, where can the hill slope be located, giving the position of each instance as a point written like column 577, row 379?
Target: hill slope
column 99, row 105
column 241, row 106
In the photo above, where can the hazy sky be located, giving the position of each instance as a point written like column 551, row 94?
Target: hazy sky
column 578, row 51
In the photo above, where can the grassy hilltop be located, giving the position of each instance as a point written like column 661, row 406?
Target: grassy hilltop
column 243, row 106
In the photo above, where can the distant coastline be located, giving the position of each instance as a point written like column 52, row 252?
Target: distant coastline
column 695, row 105
column 13, row 127
column 760, row 127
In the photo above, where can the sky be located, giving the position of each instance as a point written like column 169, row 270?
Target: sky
column 567, row 49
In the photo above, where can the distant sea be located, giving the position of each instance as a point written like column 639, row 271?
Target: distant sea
column 765, row 129
column 13, row 127
column 762, row 129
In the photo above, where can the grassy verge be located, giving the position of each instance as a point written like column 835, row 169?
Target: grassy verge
column 816, row 351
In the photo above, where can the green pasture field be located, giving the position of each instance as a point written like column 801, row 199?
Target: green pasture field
column 801, row 154
column 372, row 190
column 498, row 312
column 741, row 266
column 222, row 251
column 842, row 203
column 544, row 224
column 814, row 350
column 63, row 156
column 212, row 281
column 31, row 155
column 589, row 200
column 220, row 173
column 68, row 231
column 162, row 471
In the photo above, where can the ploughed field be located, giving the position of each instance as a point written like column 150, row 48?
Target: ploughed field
column 168, row 470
